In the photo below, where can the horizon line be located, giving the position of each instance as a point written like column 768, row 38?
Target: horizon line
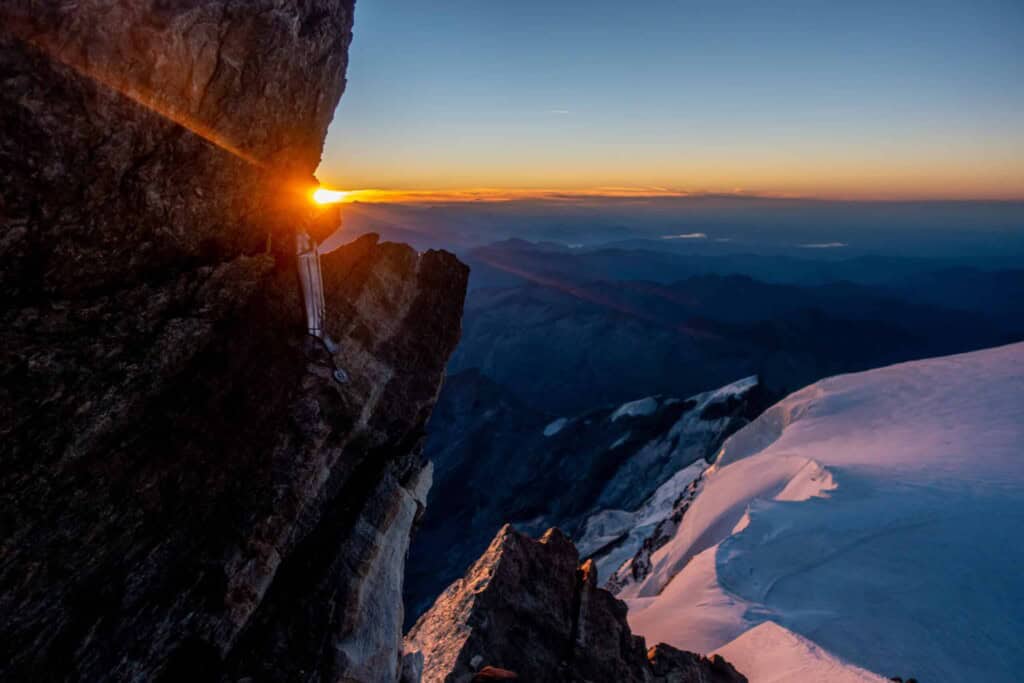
column 505, row 195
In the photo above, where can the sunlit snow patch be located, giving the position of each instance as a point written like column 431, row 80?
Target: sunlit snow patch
column 555, row 426
column 769, row 652
column 644, row 406
column 619, row 441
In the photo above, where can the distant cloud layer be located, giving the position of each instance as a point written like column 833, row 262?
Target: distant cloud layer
column 686, row 236
column 823, row 245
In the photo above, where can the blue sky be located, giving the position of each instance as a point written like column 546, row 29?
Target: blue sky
column 902, row 99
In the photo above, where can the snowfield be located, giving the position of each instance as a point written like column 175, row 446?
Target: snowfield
column 869, row 520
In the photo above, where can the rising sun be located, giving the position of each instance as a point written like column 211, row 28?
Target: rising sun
column 324, row 196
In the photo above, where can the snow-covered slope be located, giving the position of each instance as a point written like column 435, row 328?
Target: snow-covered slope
column 876, row 515
column 769, row 653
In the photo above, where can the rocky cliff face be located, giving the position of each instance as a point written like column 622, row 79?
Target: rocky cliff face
column 527, row 608
column 187, row 491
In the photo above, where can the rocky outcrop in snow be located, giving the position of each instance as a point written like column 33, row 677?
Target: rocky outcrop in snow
column 637, row 567
column 621, row 541
column 610, row 476
column 526, row 607
column 188, row 492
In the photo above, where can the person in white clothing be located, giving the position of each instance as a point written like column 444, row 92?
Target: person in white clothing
column 312, row 280
column 307, row 252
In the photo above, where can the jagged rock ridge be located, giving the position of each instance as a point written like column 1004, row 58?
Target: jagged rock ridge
column 527, row 607
column 187, row 492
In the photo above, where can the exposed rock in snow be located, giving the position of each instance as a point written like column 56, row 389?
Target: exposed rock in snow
column 527, row 608
column 876, row 514
column 633, row 562
column 612, row 536
column 704, row 420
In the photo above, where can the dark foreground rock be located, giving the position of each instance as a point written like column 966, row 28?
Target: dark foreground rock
column 186, row 492
column 527, row 608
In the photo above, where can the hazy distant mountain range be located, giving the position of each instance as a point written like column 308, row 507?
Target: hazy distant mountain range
column 565, row 338
column 983, row 234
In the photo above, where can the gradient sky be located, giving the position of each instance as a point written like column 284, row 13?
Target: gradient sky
column 896, row 99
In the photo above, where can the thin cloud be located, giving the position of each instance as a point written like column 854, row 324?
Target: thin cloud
column 686, row 236
column 823, row 245
column 560, row 112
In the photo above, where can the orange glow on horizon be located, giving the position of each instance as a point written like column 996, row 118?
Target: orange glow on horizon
column 913, row 170
column 639, row 194
column 442, row 196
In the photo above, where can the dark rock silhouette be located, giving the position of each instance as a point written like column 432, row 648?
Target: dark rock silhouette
column 186, row 491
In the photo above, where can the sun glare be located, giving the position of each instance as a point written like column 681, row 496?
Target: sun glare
column 325, row 196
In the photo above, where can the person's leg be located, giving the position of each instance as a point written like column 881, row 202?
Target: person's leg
column 311, row 279
column 312, row 283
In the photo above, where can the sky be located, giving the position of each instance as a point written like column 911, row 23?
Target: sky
column 855, row 100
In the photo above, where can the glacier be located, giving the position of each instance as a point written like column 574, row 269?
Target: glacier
column 612, row 536
column 867, row 523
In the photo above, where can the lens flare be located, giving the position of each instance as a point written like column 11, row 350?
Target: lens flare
column 325, row 196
